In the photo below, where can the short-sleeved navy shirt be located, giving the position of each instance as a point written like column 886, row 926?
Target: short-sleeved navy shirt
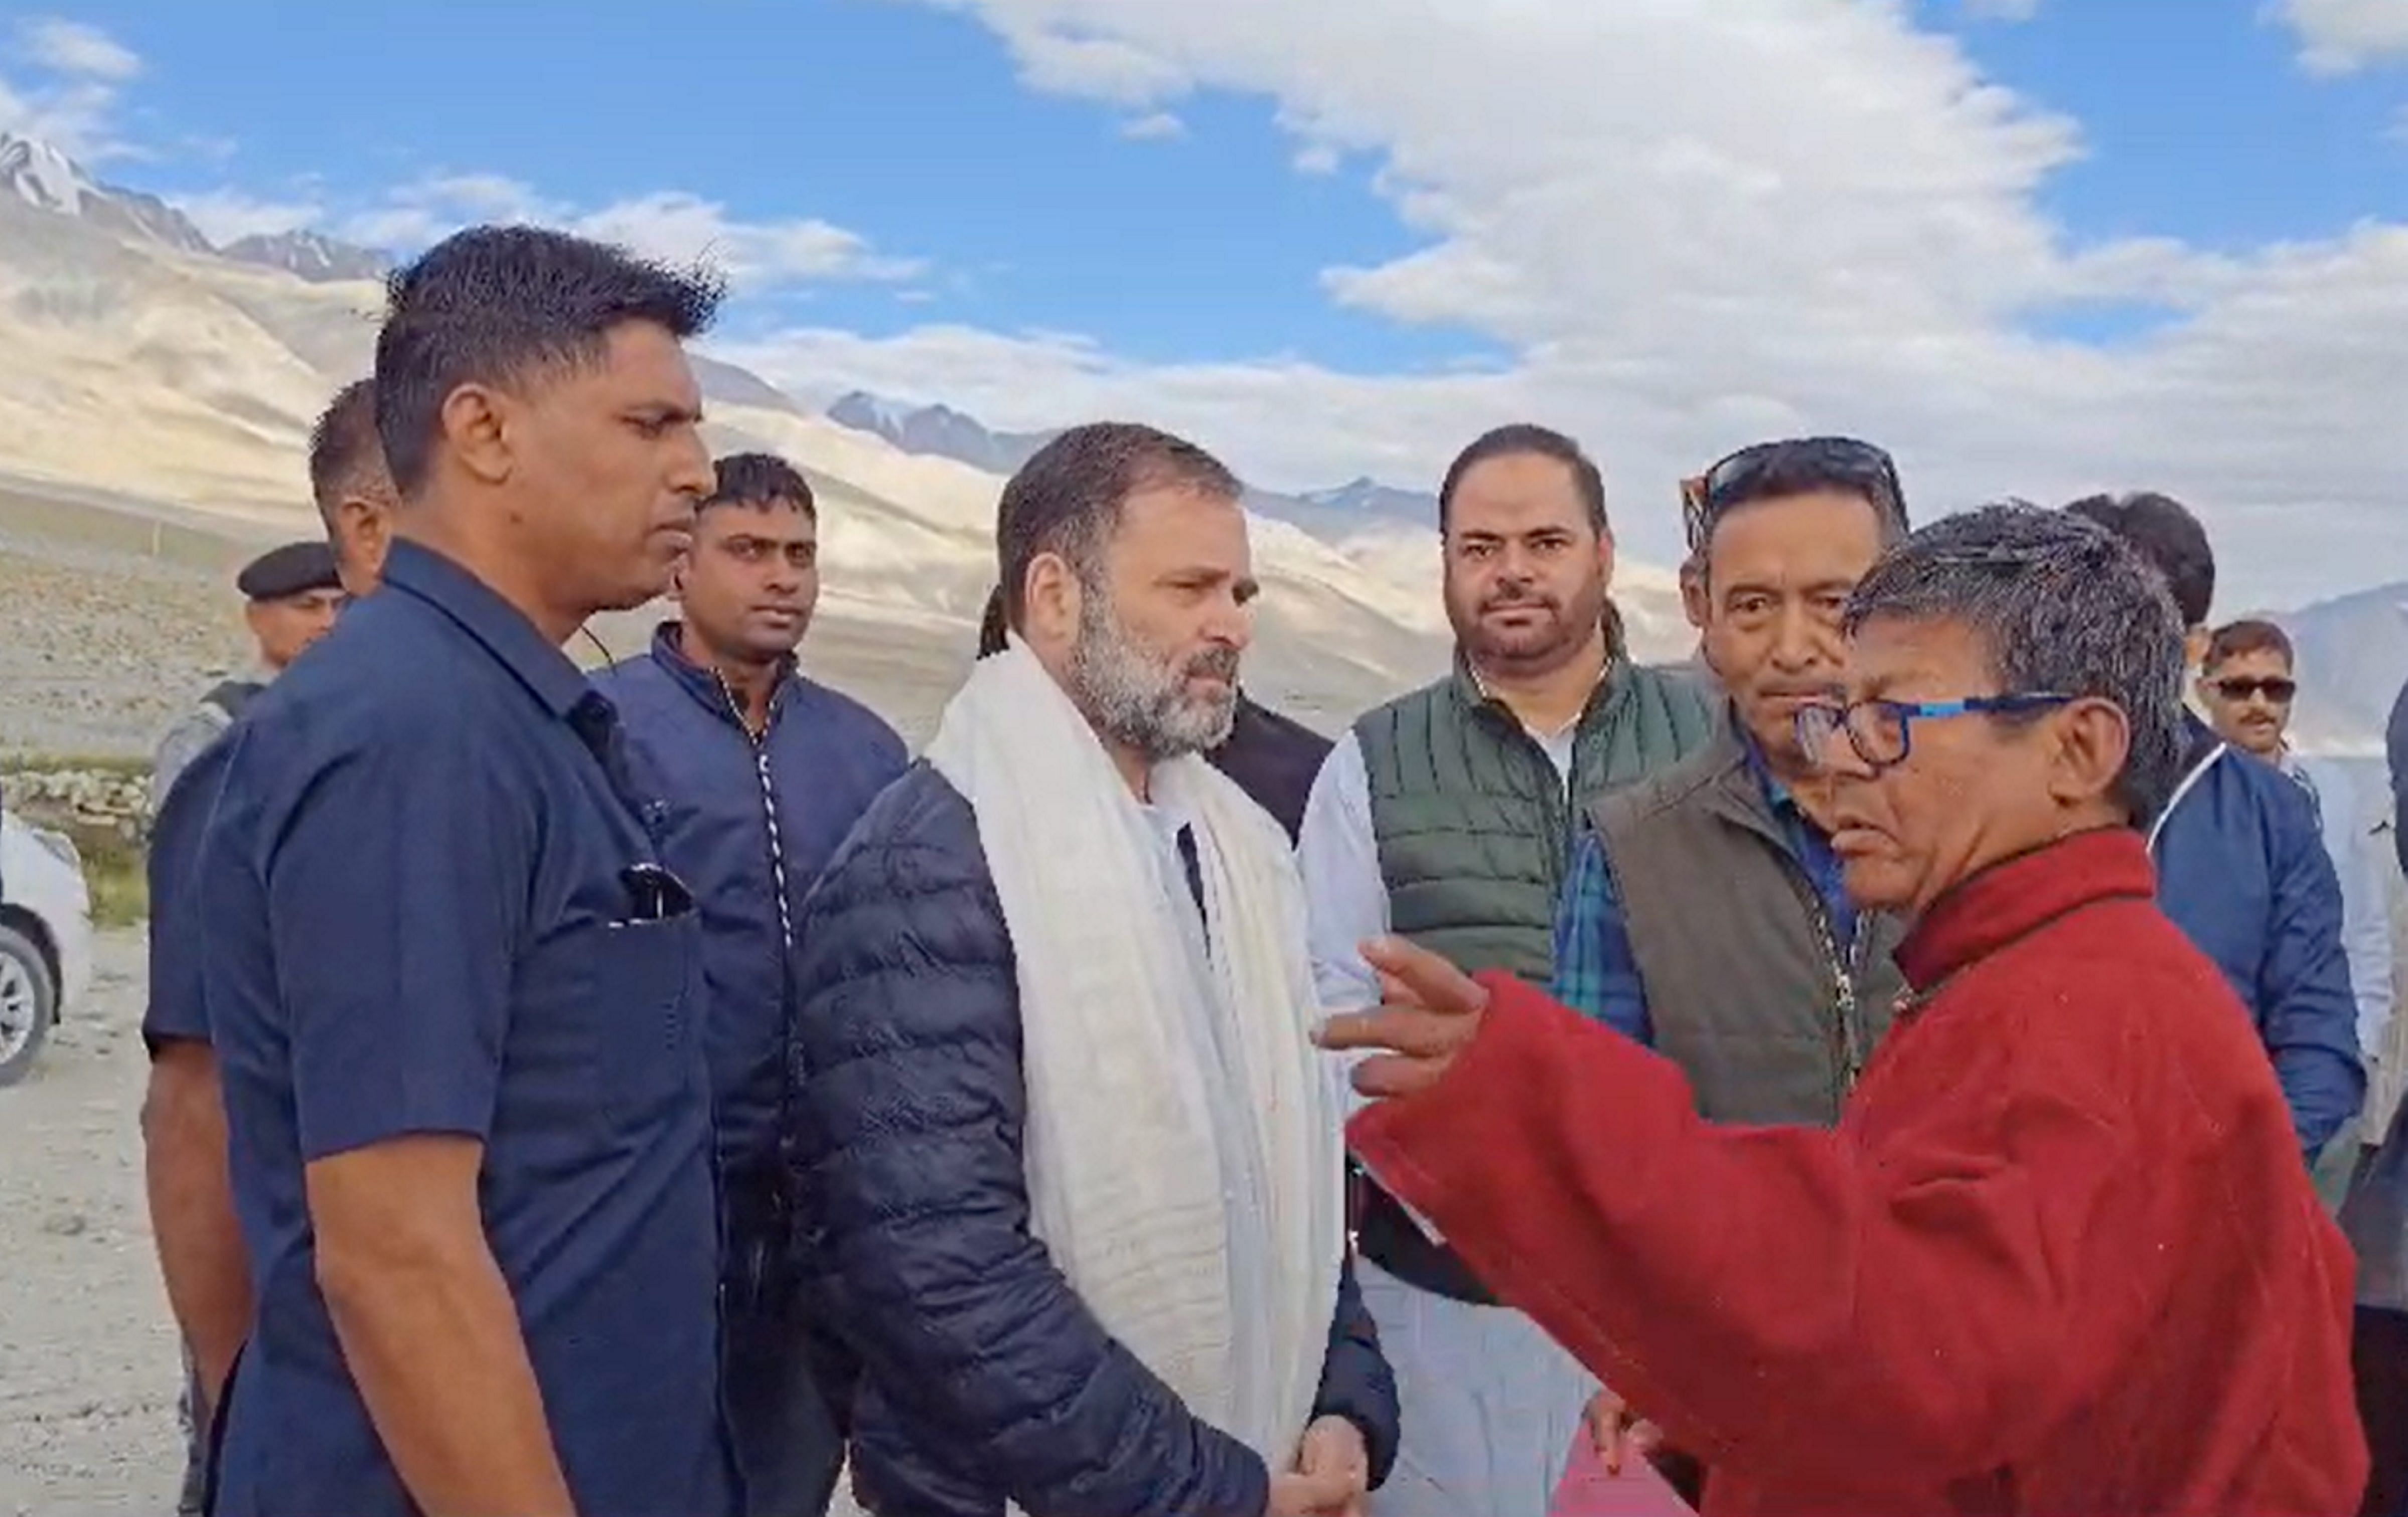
column 175, row 1012
column 427, row 907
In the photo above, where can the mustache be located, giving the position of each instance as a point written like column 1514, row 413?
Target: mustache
column 1217, row 662
column 1517, row 597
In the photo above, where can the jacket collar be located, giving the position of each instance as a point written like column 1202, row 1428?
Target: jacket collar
column 704, row 684
column 2011, row 900
column 2201, row 751
column 1472, row 692
column 1744, row 790
column 501, row 629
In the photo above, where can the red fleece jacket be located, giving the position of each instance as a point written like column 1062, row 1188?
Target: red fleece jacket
column 2060, row 1256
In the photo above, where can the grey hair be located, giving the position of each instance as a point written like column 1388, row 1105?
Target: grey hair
column 2064, row 607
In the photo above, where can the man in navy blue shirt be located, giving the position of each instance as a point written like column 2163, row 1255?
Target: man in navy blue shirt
column 763, row 772
column 453, row 991
column 183, row 1116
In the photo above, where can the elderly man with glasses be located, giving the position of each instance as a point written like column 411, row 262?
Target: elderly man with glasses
column 2058, row 1255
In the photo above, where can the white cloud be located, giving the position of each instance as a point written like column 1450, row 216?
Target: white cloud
column 1160, row 126
column 74, row 108
column 227, row 216
column 668, row 224
column 1036, row 380
column 74, row 48
column 1784, row 215
column 1097, row 68
column 673, row 224
column 2337, row 36
column 1319, row 158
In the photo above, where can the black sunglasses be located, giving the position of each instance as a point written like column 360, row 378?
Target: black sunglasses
column 2275, row 688
column 1841, row 460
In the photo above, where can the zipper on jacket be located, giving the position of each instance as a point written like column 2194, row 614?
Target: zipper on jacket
column 1561, row 812
column 760, row 743
column 1847, row 1032
column 1844, row 985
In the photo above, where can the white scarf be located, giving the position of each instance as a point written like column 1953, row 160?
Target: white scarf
column 1128, row 1148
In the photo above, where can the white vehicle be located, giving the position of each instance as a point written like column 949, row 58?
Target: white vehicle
column 45, row 939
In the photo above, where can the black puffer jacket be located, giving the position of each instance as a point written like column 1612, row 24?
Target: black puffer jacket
column 986, row 1378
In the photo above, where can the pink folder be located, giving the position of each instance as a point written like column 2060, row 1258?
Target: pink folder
column 1588, row 1491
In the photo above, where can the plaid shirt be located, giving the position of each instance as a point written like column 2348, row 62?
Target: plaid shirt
column 1596, row 974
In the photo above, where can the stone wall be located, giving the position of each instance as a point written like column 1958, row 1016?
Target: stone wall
column 80, row 801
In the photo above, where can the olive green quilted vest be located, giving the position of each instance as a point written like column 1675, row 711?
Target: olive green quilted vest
column 1473, row 825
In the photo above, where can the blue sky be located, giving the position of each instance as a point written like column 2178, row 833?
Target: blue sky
column 906, row 125
column 2035, row 245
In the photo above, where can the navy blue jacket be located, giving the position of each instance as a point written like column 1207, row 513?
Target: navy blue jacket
column 2242, row 869
column 742, row 819
column 1274, row 759
column 987, row 1380
column 2397, row 743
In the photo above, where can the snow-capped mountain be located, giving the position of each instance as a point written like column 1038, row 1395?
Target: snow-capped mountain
column 2353, row 656
column 938, row 431
column 942, row 432
column 152, row 378
column 1368, row 498
column 310, row 254
column 40, row 176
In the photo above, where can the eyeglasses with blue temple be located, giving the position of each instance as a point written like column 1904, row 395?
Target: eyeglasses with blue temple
column 1882, row 732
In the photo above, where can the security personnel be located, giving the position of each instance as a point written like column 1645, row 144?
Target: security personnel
column 452, row 988
column 764, row 772
column 183, row 1113
column 292, row 596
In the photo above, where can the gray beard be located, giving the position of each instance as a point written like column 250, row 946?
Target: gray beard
column 1138, row 699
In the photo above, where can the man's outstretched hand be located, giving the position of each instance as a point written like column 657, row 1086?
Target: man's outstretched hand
column 1430, row 1012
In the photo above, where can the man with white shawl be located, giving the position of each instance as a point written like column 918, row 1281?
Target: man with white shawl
column 1070, row 1168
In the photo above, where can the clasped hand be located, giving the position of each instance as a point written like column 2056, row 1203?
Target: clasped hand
column 1332, row 1475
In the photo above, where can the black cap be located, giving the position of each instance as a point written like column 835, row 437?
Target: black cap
column 295, row 569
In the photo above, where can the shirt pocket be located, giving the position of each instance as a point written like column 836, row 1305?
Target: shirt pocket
column 644, row 987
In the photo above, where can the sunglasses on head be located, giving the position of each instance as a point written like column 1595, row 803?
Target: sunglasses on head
column 1732, row 479
column 2275, row 688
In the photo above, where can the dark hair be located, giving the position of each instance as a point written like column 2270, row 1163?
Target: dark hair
column 992, row 630
column 1802, row 466
column 1067, row 497
column 2235, row 639
column 497, row 305
column 762, row 480
column 2063, row 606
column 2169, row 538
column 345, row 457
column 1519, row 439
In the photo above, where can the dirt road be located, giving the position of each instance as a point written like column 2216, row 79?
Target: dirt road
column 88, row 1364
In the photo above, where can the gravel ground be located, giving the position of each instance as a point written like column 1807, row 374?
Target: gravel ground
column 104, row 642
column 88, row 1362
